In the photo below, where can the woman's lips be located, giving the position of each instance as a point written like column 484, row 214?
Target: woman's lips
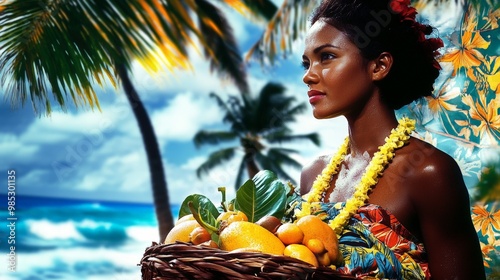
column 315, row 96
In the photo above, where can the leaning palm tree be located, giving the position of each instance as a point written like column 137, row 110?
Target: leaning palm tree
column 259, row 123
column 57, row 51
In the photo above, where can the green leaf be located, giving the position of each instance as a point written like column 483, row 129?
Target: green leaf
column 263, row 195
column 206, row 219
column 199, row 201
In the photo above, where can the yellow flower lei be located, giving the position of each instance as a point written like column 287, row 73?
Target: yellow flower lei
column 397, row 139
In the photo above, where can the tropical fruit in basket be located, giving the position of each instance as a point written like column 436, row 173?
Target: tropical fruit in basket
column 232, row 216
column 315, row 228
column 181, row 232
column 270, row 223
column 199, row 235
column 226, row 218
column 258, row 221
column 242, row 234
column 185, row 218
column 290, row 233
column 301, row 252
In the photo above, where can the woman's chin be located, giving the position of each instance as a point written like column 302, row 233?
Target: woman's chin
column 323, row 115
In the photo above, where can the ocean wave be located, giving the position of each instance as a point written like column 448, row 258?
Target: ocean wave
column 46, row 234
column 143, row 234
column 79, row 263
column 48, row 230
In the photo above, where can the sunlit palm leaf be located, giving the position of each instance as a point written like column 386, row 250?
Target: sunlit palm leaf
column 92, row 36
column 264, row 8
column 288, row 23
column 221, row 44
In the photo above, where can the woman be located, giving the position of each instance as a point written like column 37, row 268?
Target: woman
column 399, row 206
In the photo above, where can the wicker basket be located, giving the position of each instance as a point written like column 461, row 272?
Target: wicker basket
column 187, row 261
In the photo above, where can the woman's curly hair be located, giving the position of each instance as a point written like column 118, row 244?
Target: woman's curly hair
column 377, row 26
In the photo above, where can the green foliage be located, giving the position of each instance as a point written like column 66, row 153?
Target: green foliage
column 198, row 201
column 263, row 195
column 204, row 212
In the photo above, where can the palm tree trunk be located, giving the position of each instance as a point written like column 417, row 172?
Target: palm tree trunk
column 158, row 180
column 252, row 168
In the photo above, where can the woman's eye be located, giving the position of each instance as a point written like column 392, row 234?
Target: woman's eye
column 327, row 56
column 305, row 65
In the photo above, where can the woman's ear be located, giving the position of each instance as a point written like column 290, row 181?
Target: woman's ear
column 381, row 66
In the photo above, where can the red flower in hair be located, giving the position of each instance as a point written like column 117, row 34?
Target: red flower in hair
column 399, row 6
column 403, row 8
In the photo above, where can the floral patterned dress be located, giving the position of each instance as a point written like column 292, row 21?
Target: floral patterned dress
column 376, row 244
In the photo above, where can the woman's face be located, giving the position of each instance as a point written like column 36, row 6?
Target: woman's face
column 338, row 76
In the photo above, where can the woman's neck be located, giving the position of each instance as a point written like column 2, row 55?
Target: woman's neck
column 368, row 130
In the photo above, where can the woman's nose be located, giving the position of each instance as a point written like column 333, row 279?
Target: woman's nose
column 310, row 76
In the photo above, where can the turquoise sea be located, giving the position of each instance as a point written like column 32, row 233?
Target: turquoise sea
column 75, row 239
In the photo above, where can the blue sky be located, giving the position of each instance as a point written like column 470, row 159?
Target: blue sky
column 99, row 155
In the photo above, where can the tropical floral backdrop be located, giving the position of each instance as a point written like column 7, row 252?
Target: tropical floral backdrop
column 462, row 117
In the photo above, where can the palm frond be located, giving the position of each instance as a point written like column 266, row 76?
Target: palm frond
column 53, row 50
column 222, row 49
column 259, row 8
column 266, row 116
column 231, row 109
column 282, row 157
column 87, row 38
column 291, row 21
column 215, row 159
column 274, row 160
column 288, row 23
column 284, row 137
column 204, row 137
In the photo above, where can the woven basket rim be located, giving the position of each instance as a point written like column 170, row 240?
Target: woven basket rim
column 181, row 260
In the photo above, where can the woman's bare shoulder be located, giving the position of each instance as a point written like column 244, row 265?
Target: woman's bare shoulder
column 310, row 171
column 429, row 171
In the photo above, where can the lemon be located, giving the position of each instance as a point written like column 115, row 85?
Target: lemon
column 181, row 232
column 184, row 218
column 301, row 252
column 243, row 234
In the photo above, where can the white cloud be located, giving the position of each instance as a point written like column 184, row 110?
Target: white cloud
column 12, row 148
column 194, row 162
column 184, row 182
column 185, row 115
column 64, row 126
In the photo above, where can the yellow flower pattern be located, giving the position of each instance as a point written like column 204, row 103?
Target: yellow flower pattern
column 463, row 115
